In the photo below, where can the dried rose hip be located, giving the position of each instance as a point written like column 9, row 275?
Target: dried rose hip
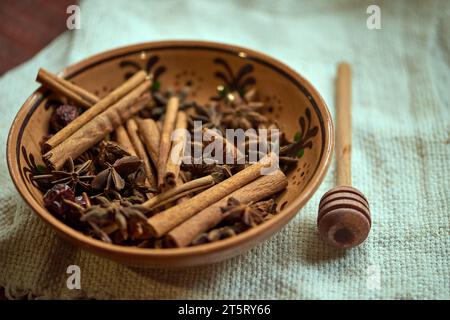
column 54, row 202
column 80, row 200
column 53, row 199
column 62, row 116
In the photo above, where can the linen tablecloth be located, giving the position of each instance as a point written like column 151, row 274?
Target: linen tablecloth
column 401, row 151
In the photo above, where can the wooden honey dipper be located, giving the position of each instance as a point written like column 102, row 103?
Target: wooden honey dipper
column 344, row 215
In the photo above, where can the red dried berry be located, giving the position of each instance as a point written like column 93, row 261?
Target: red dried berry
column 62, row 116
column 54, row 202
column 80, row 200
column 53, row 199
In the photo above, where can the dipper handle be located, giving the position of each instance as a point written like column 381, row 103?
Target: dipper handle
column 344, row 215
column 344, row 125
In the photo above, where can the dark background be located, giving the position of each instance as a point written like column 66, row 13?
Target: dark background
column 26, row 26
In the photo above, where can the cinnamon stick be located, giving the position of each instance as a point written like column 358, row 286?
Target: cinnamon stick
column 149, row 132
column 263, row 187
column 165, row 143
column 123, row 139
column 66, row 88
column 135, row 81
column 132, row 129
column 179, row 191
column 165, row 221
column 228, row 147
column 160, row 125
column 100, row 126
column 187, row 196
column 178, row 145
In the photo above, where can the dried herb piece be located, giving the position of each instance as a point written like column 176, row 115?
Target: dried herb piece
column 152, row 243
column 127, row 165
column 250, row 214
column 210, row 115
column 245, row 115
column 91, row 154
column 136, row 187
column 126, row 218
column 95, row 230
column 110, row 152
column 240, row 217
column 219, row 234
column 162, row 98
column 219, row 171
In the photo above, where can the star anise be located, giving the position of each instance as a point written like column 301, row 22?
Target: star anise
column 108, row 179
column 245, row 115
column 210, row 115
column 73, row 175
column 198, row 170
column 219, row 234
column 243, row 111
column 153, row 243
column 117, row 216
column 250, row 214
column 113, row 177
column 109, row 152
column 136, row 189
column 162, row 98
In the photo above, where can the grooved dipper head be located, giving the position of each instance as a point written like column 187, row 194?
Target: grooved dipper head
column 344, row 217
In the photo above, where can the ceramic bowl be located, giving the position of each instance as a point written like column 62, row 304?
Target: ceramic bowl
column 204, row 66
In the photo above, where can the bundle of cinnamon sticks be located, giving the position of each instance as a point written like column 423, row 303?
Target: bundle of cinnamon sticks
column 182, row 203
column 102, row 117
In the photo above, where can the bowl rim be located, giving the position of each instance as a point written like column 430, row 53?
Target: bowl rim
column 287, row 213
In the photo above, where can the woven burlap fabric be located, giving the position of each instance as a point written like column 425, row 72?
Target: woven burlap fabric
column 401, row 152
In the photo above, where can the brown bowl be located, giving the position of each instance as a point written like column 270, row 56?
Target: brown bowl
column 205, row 65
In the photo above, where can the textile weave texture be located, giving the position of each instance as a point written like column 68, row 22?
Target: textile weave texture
column 401, row 152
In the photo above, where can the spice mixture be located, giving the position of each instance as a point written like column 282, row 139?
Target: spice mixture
column 109, row 170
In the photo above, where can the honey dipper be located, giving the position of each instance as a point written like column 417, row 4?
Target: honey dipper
column 344, row 215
